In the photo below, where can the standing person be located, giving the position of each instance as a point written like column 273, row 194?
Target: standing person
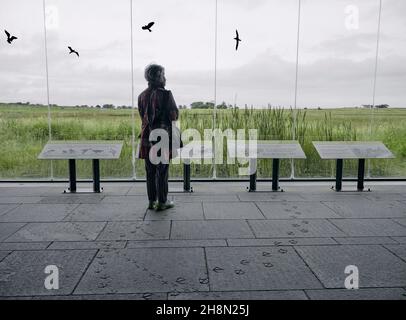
column 157, row 109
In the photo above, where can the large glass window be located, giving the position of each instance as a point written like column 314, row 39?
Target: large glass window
column 91, row 93
column 182, row 40
column 260, row 74
column 336, row 70
column 350, row 86
column 388, row 118
column 23, row 111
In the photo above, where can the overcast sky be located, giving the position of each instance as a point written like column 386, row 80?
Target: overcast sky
column 336, row 62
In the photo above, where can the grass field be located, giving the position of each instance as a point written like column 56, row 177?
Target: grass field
column 24, row 131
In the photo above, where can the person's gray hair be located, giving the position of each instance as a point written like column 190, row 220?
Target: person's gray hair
column 155, row 75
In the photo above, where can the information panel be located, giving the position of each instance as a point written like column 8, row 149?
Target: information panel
column 81, row 150
column 352, row 150
column 265, row 149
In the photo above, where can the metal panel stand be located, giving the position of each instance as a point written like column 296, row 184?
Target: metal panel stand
column 72, row 178
column 186, row 178
column 361, row 174
column 253, row 175
column 96, row 175
column 339, row 175
column 275, row 175
column 72, row 175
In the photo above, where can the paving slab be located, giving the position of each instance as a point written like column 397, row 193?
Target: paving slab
column 240, row 295
column 184, row 211
column 13, row 246
column 72, row 198
column 211, row 229
column 63, row 245
column 19, row 200
column 280, row 242
column 231, row 210
column 294, row 228
column 131, row 296
column 107, row 212
column 296, row 210
column 138, row 271
column 38, row 213
column 141, row 201
column 362, row 208
column 365, row 240
column 112, row 190
column 401, row 240
column 181, row 198
column 401, row 221
column 377, row 266
column 58, row 231
column 270, row 196
column 136, row 230
column 258, row 268
column 330, row 195
column 22, row 273
column 4, row 208
column 23, row 191
column 398, row 249
column 385, row 196
column 369, row 227
column 360, row 294
column 176, row 243
column 4, row 254
column 8, row 228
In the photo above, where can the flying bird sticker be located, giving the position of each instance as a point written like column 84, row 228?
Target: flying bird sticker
column 10, row 38
column 73, row 51
column 148, row 26
column 237, row 40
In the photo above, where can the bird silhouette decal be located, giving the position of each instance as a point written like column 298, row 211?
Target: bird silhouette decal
column 148, row 26
column 10, row 38
column 237, row 39
column 73, row 51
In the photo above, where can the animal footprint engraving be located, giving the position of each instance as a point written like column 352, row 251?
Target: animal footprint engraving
column 217, row 269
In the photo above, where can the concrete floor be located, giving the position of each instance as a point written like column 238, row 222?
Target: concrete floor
column 219, row 242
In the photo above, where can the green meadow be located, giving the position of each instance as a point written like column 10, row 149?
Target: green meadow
column 24, row 132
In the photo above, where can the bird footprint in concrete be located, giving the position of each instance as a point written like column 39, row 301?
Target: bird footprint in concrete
column 147, row 296
column 268, row 264
column 181, row 280
column 244, row 262
column 239, row 271
column 266, row 254
column 204, row 280
column 217, row 269
column 283, row 251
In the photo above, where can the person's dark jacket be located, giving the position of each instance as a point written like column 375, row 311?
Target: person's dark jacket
column 157, row 109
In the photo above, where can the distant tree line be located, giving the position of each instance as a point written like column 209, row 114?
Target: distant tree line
column 378, row 106
column 209, row 105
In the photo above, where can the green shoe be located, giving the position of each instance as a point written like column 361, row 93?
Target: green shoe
column 164, row 206
column 152, row 205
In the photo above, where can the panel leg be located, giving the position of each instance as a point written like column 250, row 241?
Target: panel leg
column 339, row 174
column 186, row 177
column 275, row 174
column 253, row 174
column 96, row 175
column 361, row 174
column 72, row 175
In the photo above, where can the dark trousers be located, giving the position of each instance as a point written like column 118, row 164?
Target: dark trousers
column 157, row 181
